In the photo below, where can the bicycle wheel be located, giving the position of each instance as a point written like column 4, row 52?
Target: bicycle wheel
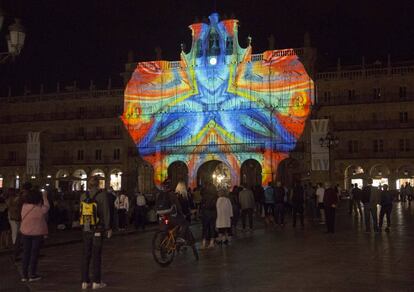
column 162, row 251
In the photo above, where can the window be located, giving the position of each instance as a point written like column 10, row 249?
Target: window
column 379, row 145
column 376, row 94
column 98, row 154
column 327, row 97
column 404, row 145
column 403, row 117
column 82, row 112
column 351, row 94
column 80, row 155
column 117, row 154
column 99, row 131
column 12, row 155
column 353, row 146
column 403, row 92
column 81, row 131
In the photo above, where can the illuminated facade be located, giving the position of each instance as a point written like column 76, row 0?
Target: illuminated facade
column 220, row 102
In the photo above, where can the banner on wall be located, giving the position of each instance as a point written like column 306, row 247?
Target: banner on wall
column 33, row 153
column 319, row 154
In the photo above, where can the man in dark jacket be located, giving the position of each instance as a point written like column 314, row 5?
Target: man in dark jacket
column 386, row 207
column 93, row 235
column 330, row 201
column 298, row 199
column 365, row 198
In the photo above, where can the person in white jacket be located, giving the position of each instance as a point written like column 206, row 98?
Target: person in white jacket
column 122, row 207
column 224, row 214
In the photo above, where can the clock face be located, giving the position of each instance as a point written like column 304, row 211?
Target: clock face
column 213, row 61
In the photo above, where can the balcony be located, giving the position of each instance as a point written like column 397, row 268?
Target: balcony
column 371, row 125
column 86, row 137
column 6, row 162
column 370, row 154
column 365, row 99
column 86, row 160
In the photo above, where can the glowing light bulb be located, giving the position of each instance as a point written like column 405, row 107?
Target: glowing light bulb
column 213, row 61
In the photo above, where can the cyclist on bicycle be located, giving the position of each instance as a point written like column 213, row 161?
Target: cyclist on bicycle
column 167, row 203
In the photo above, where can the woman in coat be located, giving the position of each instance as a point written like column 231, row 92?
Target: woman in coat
column 33, row 228
column 224, row 214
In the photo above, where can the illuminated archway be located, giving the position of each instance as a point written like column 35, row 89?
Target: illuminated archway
column 79, row 180
column 62, row 180
column 215, row 172
column 115, row 179
column 178, row 171
column 354, row 174
column 380, row 174
column 100, row 175
column 405, row 174
column 251, row 173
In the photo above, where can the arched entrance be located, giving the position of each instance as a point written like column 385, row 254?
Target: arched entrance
column 79, row 180
column 288, row 171
column 178, row 171
column 251, row 173
column 101, row 177
column 215, row 172
column 62, row 180
column 354, row 174
column 115, row 179
column 380, row 175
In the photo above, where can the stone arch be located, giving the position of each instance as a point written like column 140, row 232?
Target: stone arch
column 251, row 173
column 379, row 170
column 115, row 179
column 288, row 171
column 100, row 174
column 79, row 182
column 354, row 173
column 216, row 172
column 178, row 171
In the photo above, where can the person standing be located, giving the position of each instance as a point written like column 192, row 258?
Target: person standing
column 247, row 202
column 234, row 199
column 280, row 195
column 298, row 199
column 208, row 214
column 386, row 207
column 93, row 234
column 269, row 204
column 185, row 200
column 224, row 214
column 320, row 192
column 122, row 207
column 14, row 204
column 33, row 228
column 355, row 201
column 140, row 211
column 258, row 193
column 365, row 198
column 374, row 201
column 197, row 202
column 330, row 201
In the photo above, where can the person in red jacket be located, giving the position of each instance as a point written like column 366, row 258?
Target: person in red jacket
column 330, row 201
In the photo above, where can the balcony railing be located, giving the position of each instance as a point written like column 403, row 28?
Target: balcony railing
column 8, row 119
column 370, row 154
column 86, row 160
column 365, row 73
column 89, row 136
column 371, row 125
column 344, row 99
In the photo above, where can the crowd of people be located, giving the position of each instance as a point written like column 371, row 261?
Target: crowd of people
column 27, row 215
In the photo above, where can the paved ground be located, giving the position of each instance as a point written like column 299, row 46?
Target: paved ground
column 267, row 260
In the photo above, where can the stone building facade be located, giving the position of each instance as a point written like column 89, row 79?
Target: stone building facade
column 371, row 110
column 80, row 135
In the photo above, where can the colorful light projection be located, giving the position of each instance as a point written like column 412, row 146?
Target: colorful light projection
column 219, row 102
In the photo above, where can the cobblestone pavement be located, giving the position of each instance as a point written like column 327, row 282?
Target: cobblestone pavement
column 266, row 260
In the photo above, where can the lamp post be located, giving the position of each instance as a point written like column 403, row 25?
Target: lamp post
column 15, row 39
column 330, row 141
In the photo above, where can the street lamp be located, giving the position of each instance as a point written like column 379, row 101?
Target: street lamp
column 330, row 141
column 15, row 38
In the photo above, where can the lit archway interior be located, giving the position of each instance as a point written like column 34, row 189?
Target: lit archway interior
column 101, row 177
column 177, row 172
column 115, row 181
column 219, row 102
column 251, row 173
column 79, row 182
column 215, row 172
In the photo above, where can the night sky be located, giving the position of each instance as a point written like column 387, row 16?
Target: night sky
column 81, row 40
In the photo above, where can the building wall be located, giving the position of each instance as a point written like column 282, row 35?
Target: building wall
column 69, row 123
column 371, row 111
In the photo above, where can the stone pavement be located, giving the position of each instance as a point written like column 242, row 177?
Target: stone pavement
column 267, row 260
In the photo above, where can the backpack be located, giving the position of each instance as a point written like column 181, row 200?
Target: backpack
column 88, row 213
column 163, row 203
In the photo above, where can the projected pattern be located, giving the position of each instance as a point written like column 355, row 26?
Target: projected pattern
column 219, row 102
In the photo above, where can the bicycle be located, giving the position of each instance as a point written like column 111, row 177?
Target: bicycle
column 165, row 245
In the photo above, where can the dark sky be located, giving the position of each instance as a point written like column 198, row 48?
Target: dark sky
column 89, row 39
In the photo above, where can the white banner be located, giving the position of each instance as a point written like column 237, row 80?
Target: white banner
column 33, row 153
column 320, row 155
